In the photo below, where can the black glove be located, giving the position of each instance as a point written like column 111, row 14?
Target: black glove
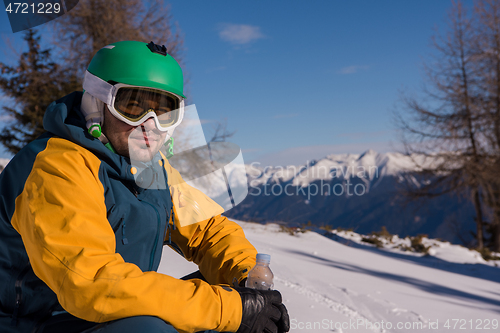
column 263, row 312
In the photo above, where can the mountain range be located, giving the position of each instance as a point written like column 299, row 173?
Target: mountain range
column 362, row 192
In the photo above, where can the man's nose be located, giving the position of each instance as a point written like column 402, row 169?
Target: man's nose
column 149, row 124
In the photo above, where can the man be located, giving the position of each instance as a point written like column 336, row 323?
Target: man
column 81, row 238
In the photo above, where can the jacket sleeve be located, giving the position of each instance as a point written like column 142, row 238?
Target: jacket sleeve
column 61, row 217
column 217, row 245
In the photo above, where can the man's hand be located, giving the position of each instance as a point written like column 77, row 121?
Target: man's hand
column 263, row 312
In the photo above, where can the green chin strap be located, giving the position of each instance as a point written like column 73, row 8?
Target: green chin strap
column 170, row 147
column 110, row 147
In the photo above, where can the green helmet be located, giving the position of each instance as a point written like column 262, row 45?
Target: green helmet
column 138, row 64
column 127, row 63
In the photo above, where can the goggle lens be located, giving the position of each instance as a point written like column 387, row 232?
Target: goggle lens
column 135, row 103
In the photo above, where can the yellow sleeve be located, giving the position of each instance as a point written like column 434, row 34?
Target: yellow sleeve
column 61, row 216
column 217, row 245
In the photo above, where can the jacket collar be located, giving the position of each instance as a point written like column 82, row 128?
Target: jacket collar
column 64, row 119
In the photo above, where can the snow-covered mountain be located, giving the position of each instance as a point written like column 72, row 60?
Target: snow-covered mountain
column 339, row 284
column 359, row 191
column 315, row 169
column 370, row 165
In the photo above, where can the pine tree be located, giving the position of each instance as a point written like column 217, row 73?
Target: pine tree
column 92, row 24
column 31, row 85
column 457, row 127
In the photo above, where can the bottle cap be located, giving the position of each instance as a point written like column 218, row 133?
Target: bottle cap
column 264, row 257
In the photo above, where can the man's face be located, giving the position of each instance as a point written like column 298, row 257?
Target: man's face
column 139, row 143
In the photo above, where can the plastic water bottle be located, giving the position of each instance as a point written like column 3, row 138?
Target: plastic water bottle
column 260, row 276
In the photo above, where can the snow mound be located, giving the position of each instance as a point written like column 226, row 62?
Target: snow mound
column 418, row 246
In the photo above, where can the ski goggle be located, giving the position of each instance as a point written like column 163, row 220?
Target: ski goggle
column 134, row 105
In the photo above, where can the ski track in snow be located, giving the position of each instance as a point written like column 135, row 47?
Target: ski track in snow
column 396, row 313
column 326, row 301
column 390, row 307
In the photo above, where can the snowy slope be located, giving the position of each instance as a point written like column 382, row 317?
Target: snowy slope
column 327, row 284
column 435, row 248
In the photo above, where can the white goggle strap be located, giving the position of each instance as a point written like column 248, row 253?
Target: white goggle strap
column 98, row 88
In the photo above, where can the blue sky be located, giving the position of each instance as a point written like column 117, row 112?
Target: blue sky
column 298, row 80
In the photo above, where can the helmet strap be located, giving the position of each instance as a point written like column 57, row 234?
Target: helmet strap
column 92, row 109
column 170, row 147
column 110, row 147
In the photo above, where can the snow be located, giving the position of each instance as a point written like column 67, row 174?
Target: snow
column 437, row 249
column 335, row 281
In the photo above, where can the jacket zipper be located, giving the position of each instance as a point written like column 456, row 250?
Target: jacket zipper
column 169, row 241
column 167, row 229
column 158, row 220
column 124, row 238
column 19, row 293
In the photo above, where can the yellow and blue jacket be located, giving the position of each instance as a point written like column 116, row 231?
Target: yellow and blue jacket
column 77, row 233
